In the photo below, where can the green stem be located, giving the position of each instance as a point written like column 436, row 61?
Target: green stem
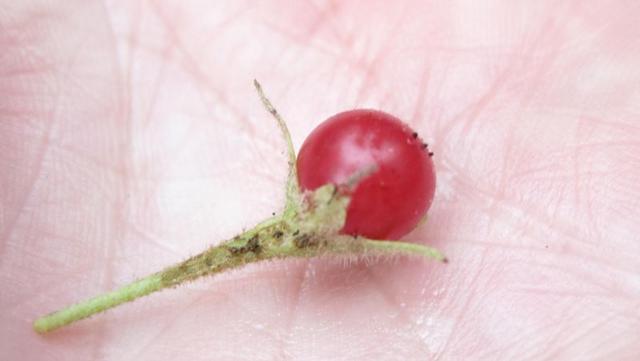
column 98, row 304
column 271, row 239
column 243, row 249
column 410, row 249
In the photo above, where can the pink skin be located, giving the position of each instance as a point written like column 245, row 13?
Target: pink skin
column 131, row 138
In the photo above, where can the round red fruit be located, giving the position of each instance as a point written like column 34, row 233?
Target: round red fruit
column 388, row 203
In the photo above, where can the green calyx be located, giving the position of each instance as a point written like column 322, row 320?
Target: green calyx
column 308, row 227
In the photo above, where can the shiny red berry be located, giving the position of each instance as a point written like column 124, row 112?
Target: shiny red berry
column 388, row 203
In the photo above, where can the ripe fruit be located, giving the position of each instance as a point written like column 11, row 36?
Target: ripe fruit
column 389, row 202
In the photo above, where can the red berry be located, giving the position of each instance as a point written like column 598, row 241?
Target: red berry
column 389, row 202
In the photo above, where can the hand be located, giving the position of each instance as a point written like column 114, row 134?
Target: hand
column 131, row 138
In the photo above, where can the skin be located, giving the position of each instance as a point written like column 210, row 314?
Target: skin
column 131, row 138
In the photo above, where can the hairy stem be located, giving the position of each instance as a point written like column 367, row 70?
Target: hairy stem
column 251, row 246
column 271, row 239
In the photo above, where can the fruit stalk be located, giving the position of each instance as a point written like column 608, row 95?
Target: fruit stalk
column 139, row 288
column 269, row 240
column 251, row 246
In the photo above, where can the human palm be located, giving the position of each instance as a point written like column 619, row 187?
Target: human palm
column 131, row 138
